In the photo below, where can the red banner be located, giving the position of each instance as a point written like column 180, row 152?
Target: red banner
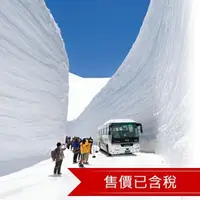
column 137, row 182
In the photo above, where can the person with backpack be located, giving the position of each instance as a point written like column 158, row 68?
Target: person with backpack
column 76, row 149
column 58, row 155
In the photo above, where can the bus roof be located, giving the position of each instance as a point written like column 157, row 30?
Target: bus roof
column 118, row 121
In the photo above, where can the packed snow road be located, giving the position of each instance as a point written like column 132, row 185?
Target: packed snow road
column 35, row 182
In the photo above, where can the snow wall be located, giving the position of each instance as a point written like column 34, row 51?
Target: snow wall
column 34, row 83
column 150, row 86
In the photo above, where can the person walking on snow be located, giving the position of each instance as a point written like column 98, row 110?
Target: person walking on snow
column 88, row 151
column 58, row 156
column 76, row 149
column 79, row 154
column 90, row 140
column 83, row 151
column 72, row 143
column 67, row 141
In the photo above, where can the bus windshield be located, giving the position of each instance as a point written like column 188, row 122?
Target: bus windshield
column 124, row 131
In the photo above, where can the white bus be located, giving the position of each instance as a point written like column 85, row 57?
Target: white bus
column 119, row 136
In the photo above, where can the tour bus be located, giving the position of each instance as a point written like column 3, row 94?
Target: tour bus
column 119, row 136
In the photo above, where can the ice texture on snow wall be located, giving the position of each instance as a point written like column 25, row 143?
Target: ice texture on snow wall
column 33, row 80
column 150, row 86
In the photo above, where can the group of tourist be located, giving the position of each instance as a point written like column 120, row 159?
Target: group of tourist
column 81, row 149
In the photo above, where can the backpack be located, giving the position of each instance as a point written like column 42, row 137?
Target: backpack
column 53, row 154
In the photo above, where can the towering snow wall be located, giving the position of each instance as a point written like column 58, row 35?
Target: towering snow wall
column 33, row 82
column 150, row 86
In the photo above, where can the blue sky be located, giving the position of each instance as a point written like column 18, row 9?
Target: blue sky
column 98, row 34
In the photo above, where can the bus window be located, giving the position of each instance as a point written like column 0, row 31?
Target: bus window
column 139, row 126
column 110, row 130
column 137, row 132
column 125, row 130
column 107, row 130
column 116, row 135
column 130, row 128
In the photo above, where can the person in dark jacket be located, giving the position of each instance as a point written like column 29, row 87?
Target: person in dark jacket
column 67, row 141
column 72, row 143
column 90, row 140
column 79, row 153
column 59, row 156
column 76, row 149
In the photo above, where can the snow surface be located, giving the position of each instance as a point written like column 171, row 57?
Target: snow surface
column 151, row 85
column 34, row 182
column 34, row 83
column 81, row 93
